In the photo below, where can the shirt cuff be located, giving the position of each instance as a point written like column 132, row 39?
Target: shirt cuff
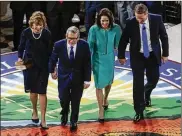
column 87, row 82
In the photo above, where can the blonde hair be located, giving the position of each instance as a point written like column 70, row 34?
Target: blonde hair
column 38, row 18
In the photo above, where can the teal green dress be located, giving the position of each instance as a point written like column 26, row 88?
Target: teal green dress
column 102, row 44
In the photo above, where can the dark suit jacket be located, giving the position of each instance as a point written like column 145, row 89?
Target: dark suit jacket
column 96, row 6
column 66, row 6
column 131, row 34
column 81, row 70
column 20, row 5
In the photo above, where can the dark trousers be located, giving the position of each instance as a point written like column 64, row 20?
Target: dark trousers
column 18, row 16
column 58, row 22
column 141, row 92
column 71, row 94
column 89, row 20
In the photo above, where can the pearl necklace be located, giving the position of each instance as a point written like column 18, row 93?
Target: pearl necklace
column 38, row 36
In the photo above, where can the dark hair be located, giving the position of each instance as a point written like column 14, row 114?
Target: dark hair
column 141, row 9
column 105, row 12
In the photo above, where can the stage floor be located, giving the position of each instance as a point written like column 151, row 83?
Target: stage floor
column 163, row 118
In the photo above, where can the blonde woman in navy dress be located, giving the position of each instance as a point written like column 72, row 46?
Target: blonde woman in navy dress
column 36, row 45
column 103, row 38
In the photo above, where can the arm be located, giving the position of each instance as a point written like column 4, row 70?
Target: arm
column 118, row 36
column 53, row 59
column 87, row 64
column 91, row 39
column 124, row 40
column 87, row 67
column 164, row 38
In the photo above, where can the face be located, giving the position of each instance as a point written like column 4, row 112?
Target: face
column 141, row 17
column 72, row 38
column 104, row 22
column 37, row 27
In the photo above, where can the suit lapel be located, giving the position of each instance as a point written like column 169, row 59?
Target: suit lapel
column 150, row 25
column 137, row 33
column 66, row 51
column 77, row 50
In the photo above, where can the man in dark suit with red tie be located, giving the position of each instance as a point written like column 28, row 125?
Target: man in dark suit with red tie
column 74, row 73
column 143, row 33
column 59, row 15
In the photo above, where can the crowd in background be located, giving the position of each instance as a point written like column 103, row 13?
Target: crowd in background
column 59, row 14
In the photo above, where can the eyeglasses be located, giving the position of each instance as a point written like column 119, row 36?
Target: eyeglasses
column 70, row 38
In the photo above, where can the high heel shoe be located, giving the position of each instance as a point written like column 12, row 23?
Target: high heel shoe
column 35, row 120
column 43, row 127
column 101, row 120
column 105, row 107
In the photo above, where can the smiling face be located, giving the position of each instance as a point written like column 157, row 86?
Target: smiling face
column 104, row 22
column 72, row 38
column 36, row 28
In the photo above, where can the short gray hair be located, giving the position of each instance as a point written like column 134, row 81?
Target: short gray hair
column 73, row 29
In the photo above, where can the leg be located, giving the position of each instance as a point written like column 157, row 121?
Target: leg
column 138, row 90
column 90, row 20
column 54, row 23
column 43, row 106
column 152, row 73
column 65, row 103
column 107, row 90
column 67, row 22
column 18, row 26
column 33, row 98
column 138, row 67
column 99, row 95
column 76, row 95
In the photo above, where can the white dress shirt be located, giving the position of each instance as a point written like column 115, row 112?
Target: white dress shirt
column 74, row 50
column 148, row 35
column 69, row 49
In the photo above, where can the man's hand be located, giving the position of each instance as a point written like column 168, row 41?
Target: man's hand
column 122, row 61
column 164, row 59
column 86, row 86
column 54, row 75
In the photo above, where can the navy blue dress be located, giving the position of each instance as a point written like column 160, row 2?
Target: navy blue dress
column 39, row 51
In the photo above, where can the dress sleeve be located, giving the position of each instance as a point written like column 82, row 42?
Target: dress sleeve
column 91, row 39
column 118, row 36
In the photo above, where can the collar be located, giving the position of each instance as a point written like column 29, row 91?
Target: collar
column 69, row 46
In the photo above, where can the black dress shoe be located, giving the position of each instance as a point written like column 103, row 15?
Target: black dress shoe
column 148, row 103
column 63, row 123
column 101, row 120
column 64, row 120
column 138, row 117
column 43, row 127
column 73, row 126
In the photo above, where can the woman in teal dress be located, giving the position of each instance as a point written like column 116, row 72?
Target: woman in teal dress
column 103, row 39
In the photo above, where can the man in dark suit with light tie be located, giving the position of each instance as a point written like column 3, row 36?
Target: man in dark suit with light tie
column 74, row 73
column 143, row 32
